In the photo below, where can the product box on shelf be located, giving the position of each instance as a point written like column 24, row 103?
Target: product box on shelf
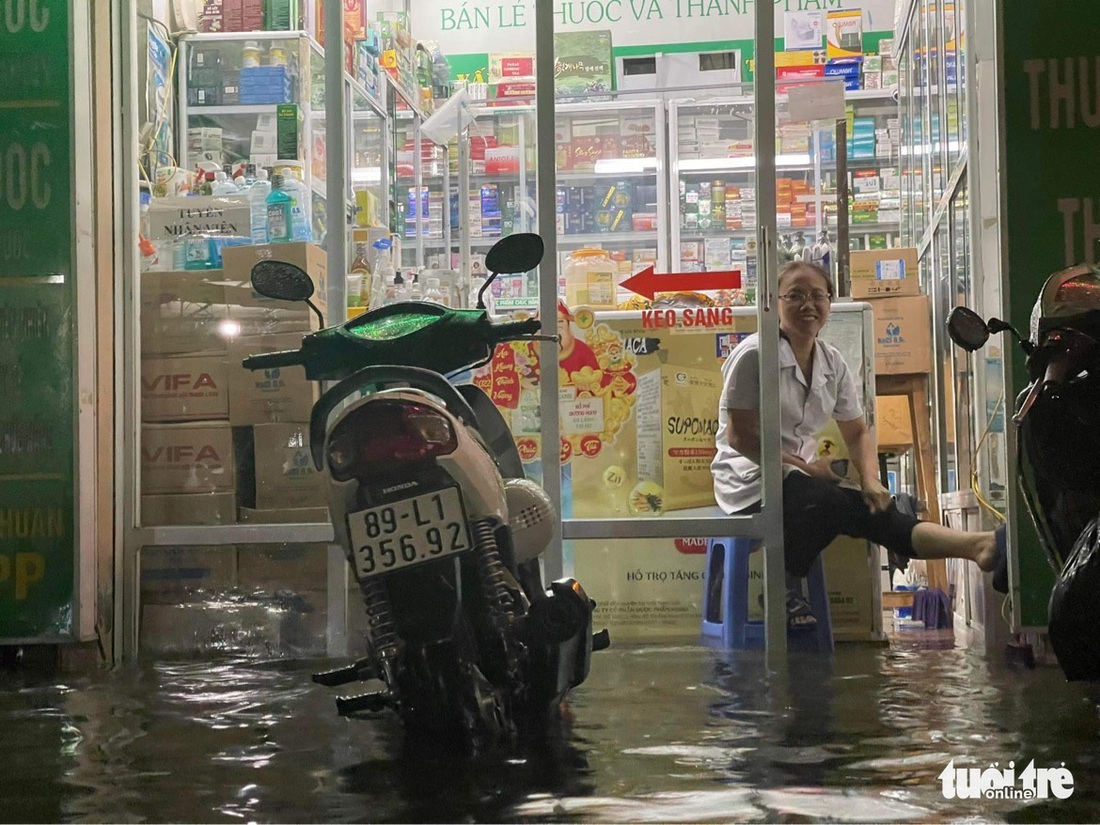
column 238, row 261
column 187, row 458
column 197, row 508
column 276, row 395
column 277, row 468
column 884, row 273
column 677, row 415
column 185, row 388
column 903, row 335
column 181, row 313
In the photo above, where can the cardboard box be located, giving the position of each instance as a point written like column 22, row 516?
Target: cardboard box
column 187, row 458
column 903, row 335
column 282, row 473
column 892, row 424
column 182, row 312
column 186, row 573
column 884, row 273
column 237, row 262
column 202, row 508
column 277, row 395
column 677, row 415
column 284, row 515
column 185, row 388
column 302, row 567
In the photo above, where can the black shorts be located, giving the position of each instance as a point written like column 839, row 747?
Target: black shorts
column 816, row 511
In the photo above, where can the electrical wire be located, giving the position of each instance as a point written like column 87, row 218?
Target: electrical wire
column 989, row 508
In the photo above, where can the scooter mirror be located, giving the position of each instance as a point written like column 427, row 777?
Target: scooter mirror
column 516, row 253
column 967, row 329
column 281, row 281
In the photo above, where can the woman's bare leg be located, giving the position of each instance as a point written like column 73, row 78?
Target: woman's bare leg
column 934, row 541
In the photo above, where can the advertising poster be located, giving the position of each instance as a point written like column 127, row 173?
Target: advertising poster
column 582, row 63
column 802, row 30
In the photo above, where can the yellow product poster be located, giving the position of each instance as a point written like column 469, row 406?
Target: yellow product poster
column 844, row 34
column 646, row 589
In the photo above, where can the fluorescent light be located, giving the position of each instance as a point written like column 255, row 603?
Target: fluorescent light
column 746, row 162
column 372, row 174
column 624, row 166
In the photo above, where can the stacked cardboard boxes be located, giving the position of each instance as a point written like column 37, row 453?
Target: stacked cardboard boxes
column 888, row 278
column 214, row 435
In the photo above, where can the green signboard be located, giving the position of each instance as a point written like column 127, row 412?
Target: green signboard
column 1051, row 75
column 37, row 411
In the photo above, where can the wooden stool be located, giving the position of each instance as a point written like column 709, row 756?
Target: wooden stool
column 914, row 386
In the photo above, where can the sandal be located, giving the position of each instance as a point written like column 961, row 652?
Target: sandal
column 800, row 616
column 1000, row 572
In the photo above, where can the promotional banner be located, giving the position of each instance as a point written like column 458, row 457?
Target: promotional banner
column 460, row 27
column 36, row 323
column 1051, row 76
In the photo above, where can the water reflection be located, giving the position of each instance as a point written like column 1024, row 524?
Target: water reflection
column 673, row 734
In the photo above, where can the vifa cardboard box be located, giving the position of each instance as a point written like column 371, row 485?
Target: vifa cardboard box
column 903, row 335
column 276, row 395
column 182, row 312
column 185, row 388
column 284, row 567
column 187, row 458
column 677, row 415
column 237, row 263
column 884, row 273
column 284, row 476
column 177, row 574
column 201, row 508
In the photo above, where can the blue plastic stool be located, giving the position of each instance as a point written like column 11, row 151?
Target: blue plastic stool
column 725, row 601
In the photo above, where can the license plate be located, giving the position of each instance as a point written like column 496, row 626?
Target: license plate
column 407, row 532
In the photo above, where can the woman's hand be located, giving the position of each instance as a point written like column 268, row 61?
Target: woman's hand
column 878, row 498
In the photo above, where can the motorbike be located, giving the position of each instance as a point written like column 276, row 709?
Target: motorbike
column 1058, row 449
column 440, row 527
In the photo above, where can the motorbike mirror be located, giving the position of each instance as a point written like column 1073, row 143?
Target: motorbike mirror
column 967, row 329
column 284, row 282
column 521, row 252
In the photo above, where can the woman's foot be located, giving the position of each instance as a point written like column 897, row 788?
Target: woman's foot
column 987, row 556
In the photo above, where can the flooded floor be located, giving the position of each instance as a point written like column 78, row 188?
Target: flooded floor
column 659, row 734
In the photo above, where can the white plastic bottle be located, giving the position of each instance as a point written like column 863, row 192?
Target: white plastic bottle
column 223, row 185
column 433, row 293
column 257, row 206
column 301, row 214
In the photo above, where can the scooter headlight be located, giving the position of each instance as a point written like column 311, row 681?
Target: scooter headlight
column 383, row 437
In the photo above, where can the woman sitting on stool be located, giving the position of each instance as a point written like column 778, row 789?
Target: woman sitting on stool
column 815, row 385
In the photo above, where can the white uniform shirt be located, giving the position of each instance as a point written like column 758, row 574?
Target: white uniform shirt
column 804, row 412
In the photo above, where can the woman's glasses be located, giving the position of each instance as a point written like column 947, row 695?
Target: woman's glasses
column 818, row 296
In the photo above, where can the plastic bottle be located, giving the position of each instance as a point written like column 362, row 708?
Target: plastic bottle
column 257, row 206
column 279, row 220
column 222, row 185
column 433, row 293
column 249, row 176
column 301, row 219
column 250, row 55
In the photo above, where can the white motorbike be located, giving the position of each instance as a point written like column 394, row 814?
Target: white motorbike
column 442, row 531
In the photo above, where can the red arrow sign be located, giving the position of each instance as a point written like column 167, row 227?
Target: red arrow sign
column 647, row 283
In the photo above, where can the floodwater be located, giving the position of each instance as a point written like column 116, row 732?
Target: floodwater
column 658, row 734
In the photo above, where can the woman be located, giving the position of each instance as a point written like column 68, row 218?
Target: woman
column 815, row 385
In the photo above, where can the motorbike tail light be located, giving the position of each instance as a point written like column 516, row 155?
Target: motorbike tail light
column 385, row 436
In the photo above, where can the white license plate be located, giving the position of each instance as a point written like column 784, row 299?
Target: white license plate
column 407, row 532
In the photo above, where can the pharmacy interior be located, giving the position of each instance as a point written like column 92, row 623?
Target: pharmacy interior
column 656, row 172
